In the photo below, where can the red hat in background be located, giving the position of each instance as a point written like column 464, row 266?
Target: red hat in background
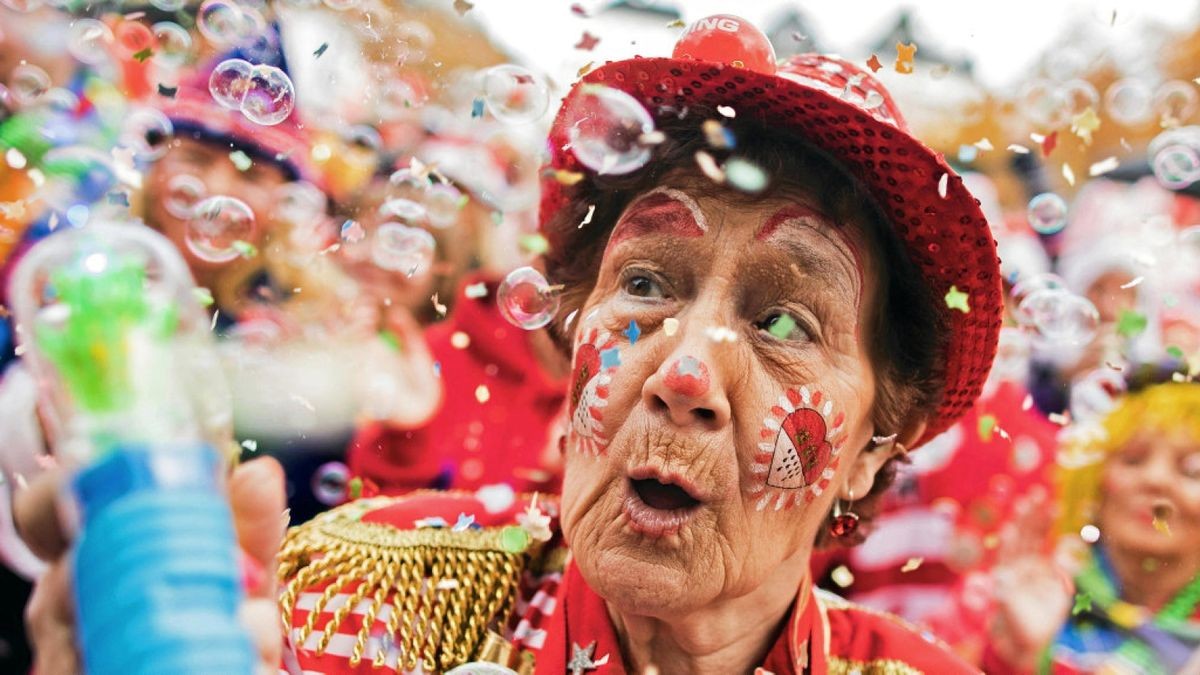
column 844, row 111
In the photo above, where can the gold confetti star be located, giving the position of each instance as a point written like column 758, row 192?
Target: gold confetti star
column 904, row 57
column 956, row 299
column 874, row 64
column 912, row 564
column 1083, row 124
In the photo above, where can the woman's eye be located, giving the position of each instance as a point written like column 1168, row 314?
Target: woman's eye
column 783, row 326
column 642, row 286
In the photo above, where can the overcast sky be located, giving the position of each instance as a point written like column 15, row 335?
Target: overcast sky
column 1003, row 37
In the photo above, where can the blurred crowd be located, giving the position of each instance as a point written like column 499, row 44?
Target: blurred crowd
column 360, row 222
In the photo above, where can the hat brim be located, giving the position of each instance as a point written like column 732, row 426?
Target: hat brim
column 947, row 238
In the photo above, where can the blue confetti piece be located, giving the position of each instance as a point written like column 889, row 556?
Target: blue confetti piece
column 437, row 368
column 967, row 153
column 633, row 332
column 610, row 358
column 477, row 108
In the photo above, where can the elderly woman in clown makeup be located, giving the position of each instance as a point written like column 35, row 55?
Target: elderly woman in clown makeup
column 1130, row 526
column 749, row 363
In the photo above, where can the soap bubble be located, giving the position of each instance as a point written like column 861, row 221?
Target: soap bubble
column 515, row 95
column 22, row 6
column 1044, row 103
column 526, row 299
column 331, row 483
column 1027, row 286
column 363, row 136
column 174, row 44
column 169, row 5
column 28, row 83
column 1129, row 102
column 1061, row 317
column 1047, row 213
column 184, row 191
column 300, row 203
column 229, row 82
column 270, row 96
column 404, row 209
column 412, row 42
column 606, row 128
column 148, row 132
column 1176, row 166
column 1175, row 101
column 228, row 24
column 340, row 5
column 404, row 249
column 88, row 40
column 442, row 204
column 133, row 37
column 77, row 174
column 216, row 227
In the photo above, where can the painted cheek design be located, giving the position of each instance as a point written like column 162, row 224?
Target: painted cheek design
column 799, row 452
column 687, row 376
column 590, row 378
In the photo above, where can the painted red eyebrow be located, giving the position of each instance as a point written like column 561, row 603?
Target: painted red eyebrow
column 663, row 211
column 787, row 213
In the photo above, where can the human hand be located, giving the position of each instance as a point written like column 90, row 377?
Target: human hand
column 257, row 498
column 1032, row 592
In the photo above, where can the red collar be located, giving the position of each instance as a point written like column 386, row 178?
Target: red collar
column 581, row 634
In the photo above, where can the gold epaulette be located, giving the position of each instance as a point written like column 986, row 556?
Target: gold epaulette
column 445, row 587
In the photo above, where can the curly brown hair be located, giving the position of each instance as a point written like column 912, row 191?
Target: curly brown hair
column 907, row 335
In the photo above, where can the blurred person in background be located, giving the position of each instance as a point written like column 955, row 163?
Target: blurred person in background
column 1129, row 528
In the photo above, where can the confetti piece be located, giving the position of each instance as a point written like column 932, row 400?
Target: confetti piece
column 463, row 523
column 904, row 57
column 652, row 138
column 782, row 327
column 842, row 576
column 670, row 326
column 874, row 64
column 476, row 291
column 570, row 318
column 462, row 7
column 1175, row 352
column 203, row 295
column 726, row 111
column 1028, row 402
column 432, row 521
column 144, row 54
column 1083, row 603
column 482, row 394
column 1103, row 166
column 709, row 167
column 1061, row 419
column 304, row 403
column 588, row 217
column 987, row 425
column 1049, row 143
column 584, row 69
column 460, row 340
column 320, row 51
column 984, row 144
column 437, row 306
column 514, row 539
column 533, row 243
column 943, row 185
column 565, row 177
column 716, row 135
column 477, row 108
column 250, row 444
column 633, row 332
column 587, row 42
column 745, row 176
column 956, row 299
column 911, row 564
column 241, row 160
column 1017, row 148
column 166, row 91
column 720, row 334
column 1131, row 323
column 1083, row 124
column 578, row 10
column 1134, row 282
column 677, row 23
column 1161, row 526
column 967, row 153
column 245, row 249
column 1068, row 174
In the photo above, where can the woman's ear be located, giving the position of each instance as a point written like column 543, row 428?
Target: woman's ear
column 870, row 460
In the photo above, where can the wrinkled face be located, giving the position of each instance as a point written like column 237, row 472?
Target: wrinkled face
column 706, row 444
column 1151, row 495
column 209, row 162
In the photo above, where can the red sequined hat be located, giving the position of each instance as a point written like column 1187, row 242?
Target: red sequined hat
column 838, row 107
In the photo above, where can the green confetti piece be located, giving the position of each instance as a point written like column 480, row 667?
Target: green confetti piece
column 355, row 488
column 1131, row 323
column 389, row 338
column 241, row 160
column 956, row 299
column 463, row 200
column 514, row 539
column 1175, row 352
column 782, row 328
column 141, row 56
column 987, row 425
column 1083, row 603
column 745, row 176
column 204, row 296
column 534, row 244
column 497, row 217
column 245, row 249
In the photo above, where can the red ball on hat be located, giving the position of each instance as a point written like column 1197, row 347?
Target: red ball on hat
column 725, row 38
